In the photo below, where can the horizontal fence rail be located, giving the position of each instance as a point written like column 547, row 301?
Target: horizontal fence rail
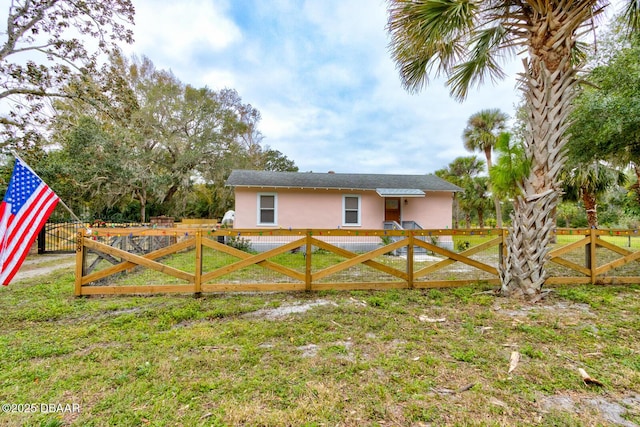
column 145, row 260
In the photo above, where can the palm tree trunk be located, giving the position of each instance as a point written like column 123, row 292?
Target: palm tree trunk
column 496, row 203
column 591, row 207
column 549, row 94
column 480, row 212
column 456, row 212
column 636, row 186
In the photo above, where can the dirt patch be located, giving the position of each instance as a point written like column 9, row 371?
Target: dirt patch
column 559, row 308
column 423, row 258
column 40, row 265
column 309, row 350
column 286, row 310
column 612, row 412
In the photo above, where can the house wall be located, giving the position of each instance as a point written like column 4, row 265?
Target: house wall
column 307, row 209
column 323, row 209
column 433, row 211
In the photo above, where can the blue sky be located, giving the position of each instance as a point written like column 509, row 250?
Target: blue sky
column 320, row 73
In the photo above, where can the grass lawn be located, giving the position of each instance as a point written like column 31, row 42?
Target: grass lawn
column 388, row 358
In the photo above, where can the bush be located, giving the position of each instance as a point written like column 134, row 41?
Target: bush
column 462, row 245
column 240, row 243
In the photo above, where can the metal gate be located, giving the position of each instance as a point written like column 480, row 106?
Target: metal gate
column 58, row 237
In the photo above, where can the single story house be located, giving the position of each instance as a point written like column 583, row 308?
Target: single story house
column 301, row 200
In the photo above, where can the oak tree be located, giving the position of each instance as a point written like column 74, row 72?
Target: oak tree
column 44, row 45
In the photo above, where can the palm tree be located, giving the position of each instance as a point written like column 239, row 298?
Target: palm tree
column 476, row 197
column 481, row 134
column 588, row 183
column 462, row 171
column 464, row 40
column 511, row 166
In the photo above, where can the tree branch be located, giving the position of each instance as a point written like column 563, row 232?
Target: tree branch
column 35, row 92
column 12, row 36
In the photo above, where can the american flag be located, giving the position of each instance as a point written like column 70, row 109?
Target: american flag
column 27, row 205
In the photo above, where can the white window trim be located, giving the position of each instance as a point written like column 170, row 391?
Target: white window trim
column 344, row 211
column 275, row 210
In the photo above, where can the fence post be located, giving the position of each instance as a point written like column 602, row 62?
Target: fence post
column 587, row 254
column 590, row 254
column 198, row 273
column 42, row 239
column 410, row 261
column 307, row 268
column 501, row 248
column 80, row 258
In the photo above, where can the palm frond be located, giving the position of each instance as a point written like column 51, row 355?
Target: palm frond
column 512, row 166
column 579, row 53
column 482, row 61
column 632, row 15
column 428, row 36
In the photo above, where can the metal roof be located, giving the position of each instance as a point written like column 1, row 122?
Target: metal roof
column 344, row 181
column 399, row 192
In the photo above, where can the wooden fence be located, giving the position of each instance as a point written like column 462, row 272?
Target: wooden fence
column 133, row 261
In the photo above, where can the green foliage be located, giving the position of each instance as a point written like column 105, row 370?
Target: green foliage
column 164, row 359
column 481, row 134
column 606, row 118
column 465, row 173
column 147, row 139
column 482, row 131
column 570, row 214
column 606, row 124
column 589, row 183
column 378, row 301
column 462, row 245
column 48, row 34
column 386, row 240
column 467, row 356
column 511, row 166
column 465, row 42
column 239, row 243
column 532, row 352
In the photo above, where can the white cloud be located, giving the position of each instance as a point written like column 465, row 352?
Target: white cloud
column 349, row 22
column 320, row 74
column 217, row 79
column 174, row 30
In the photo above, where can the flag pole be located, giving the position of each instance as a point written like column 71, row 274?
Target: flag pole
column 64, row 205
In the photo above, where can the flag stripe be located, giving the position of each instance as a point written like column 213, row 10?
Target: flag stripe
column 5, row 214
column 27, row 205
column 25, row 225
column 18, row 248
column 7, row 275
column 22, row 232
column 24, row 219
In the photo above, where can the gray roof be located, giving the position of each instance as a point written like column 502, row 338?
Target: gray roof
column 345, row 181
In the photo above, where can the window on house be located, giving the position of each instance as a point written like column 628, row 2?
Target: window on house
column 267, row 209
column 351, row 210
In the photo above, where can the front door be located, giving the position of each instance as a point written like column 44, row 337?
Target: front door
column 392, row 209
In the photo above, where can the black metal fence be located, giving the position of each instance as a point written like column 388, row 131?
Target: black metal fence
column 60, row 237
